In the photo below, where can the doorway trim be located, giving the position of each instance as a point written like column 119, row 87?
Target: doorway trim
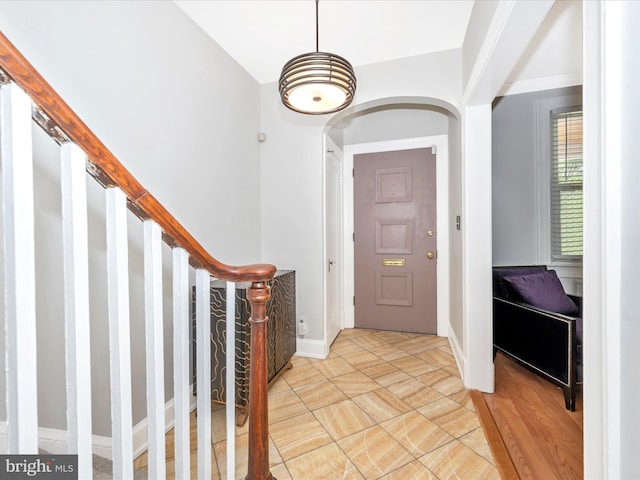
column 330, row 148
column 441, row 143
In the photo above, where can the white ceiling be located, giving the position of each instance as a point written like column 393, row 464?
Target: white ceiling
column 263, row 35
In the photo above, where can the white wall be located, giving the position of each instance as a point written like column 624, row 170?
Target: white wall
column 475, row 229
column 180, row 114
column 630, row 201
column 520, row 227
column 292, row 166
column 514, row 189
column 291, row 170
column 456, row 332
column 436, row 75
column 611, row 260
column 515, row 175
column 553, row 58
column 395, row 123
column 511, row 28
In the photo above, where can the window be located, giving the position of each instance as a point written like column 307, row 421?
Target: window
column 558, row 153
column 566, row 185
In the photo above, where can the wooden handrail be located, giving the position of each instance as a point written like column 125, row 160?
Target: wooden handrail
column 60, row 122
column 106, row 168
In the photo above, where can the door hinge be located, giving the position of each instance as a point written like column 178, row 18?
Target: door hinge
column 353, row 172
column 354, row 300
column 354, row 236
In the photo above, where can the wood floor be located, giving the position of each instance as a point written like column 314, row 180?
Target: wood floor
column 543, row 439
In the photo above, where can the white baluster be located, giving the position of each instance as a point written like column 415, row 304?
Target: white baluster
column 119, row 341
column 231, row 380
column 203, row 369
column 76, row 301
column 19, row 271
column 155, row 347
column 181, row 368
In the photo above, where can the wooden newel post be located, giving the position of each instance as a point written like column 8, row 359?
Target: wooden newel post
column 258, row 294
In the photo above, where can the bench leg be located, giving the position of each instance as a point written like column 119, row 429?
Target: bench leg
column 569, row 398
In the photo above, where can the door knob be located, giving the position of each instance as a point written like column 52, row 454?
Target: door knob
column 430, row 255
column 430, row 233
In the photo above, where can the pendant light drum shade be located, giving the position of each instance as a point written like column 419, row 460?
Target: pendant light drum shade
column 317, row 83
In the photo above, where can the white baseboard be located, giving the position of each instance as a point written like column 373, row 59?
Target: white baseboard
column 349, row 318
column 458, row 354
column 312, row 348
column 101, row 446
column 55, row 441
column 140, row 434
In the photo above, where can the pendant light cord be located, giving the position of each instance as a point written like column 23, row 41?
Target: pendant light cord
column 317, row 42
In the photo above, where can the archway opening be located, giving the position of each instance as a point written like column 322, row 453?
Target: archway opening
column 398, row 123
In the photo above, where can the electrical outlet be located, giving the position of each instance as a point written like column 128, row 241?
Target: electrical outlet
column 302, row 327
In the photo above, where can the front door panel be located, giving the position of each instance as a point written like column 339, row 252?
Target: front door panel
column 395, row 220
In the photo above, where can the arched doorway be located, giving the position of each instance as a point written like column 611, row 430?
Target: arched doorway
column 391, row 124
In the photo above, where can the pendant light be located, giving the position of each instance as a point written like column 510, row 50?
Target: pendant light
column 318, row 82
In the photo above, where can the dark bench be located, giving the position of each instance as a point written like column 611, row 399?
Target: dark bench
column 547, row 343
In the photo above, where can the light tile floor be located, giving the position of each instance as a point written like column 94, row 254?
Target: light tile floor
column 383, row 405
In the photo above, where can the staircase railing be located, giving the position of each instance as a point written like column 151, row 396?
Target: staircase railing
column 26, row 96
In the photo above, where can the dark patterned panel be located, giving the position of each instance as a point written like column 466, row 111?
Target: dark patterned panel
column 281, row 334
column 219, row 350
column 218, row 344
column 283, row 310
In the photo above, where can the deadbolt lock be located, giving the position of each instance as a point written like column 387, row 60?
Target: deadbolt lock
column 430, row 255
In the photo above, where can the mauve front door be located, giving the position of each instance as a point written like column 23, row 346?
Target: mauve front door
column 395, row 240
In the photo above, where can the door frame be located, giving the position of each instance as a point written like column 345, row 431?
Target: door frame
column 441, row 143
column 330, row 148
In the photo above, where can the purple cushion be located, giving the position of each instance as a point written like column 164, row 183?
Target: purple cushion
column 542, row 290
column 499, row 289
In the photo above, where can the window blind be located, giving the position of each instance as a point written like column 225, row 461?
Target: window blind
column 566, row 185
